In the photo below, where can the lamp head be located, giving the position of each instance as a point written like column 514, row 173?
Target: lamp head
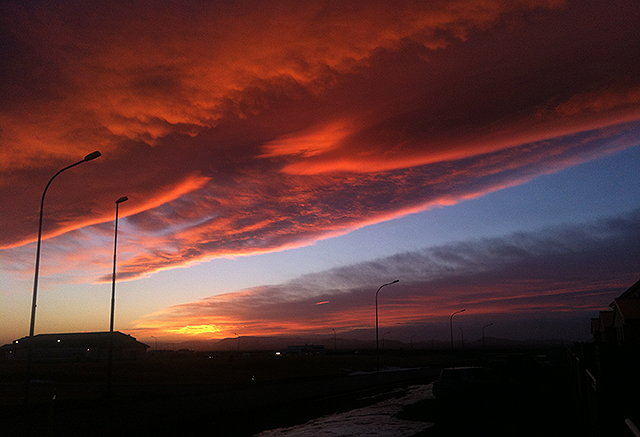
column 397, row 280
column 122, row 199
column 92, row 155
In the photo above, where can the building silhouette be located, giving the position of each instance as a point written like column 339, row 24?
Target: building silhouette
column 82, row 346
column 606, row 370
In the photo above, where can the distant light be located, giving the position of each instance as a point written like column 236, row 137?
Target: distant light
column 278, row 353
column 58, row 340
column 16, row 342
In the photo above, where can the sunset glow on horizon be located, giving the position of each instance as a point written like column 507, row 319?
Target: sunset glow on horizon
column 283, row 159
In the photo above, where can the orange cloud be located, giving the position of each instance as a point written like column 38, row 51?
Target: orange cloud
column 190, row 184
column 231, row 138
column 113, row 76
column 309, row 143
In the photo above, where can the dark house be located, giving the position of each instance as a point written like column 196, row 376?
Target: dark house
column 82, row 346
column 605, row 371
column 621, row 325
column 602, row 328
column 626, row 320
column 626, row 316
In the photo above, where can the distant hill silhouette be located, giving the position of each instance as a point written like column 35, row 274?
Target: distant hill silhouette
column 280, row 343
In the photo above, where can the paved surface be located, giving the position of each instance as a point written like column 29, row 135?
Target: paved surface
column 222, row 398
column 380, row 419
column 239, row 411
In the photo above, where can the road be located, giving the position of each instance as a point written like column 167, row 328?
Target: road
column 233, row 411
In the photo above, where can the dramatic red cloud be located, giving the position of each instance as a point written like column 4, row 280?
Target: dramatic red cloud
column 147, row 70
column 153, row 200
column 246, row 128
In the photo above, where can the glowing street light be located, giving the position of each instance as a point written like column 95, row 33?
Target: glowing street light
column 113, row 295
column 377, row 342
column 34, row 299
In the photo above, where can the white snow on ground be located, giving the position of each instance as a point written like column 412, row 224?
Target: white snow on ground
column 375, row 420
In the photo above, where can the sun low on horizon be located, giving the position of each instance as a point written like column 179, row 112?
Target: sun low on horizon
column 282, row 160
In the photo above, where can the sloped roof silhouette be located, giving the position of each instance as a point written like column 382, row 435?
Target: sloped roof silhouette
column 79, row 339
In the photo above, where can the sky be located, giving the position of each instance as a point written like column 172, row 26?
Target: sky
column 285, row 159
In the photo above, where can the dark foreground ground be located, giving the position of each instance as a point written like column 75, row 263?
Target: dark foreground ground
column 233, row 395
column 540, row 409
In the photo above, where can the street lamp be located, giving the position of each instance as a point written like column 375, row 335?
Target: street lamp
column 377, row 342
column 485, row 326
column 238, row 341
column 115, row 246
column 113, row 294
column 89, row 157
column 451, row 326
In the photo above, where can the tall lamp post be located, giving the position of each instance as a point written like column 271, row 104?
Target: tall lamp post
column 113, row 277
column 485, row 326
column 89, row 157
column 451, row 325
column 377, row 342
column 113, row 295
